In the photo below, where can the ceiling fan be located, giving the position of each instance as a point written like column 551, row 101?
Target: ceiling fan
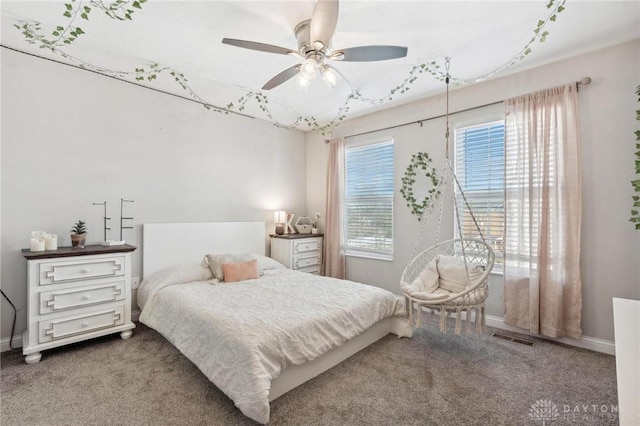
column 314, row 41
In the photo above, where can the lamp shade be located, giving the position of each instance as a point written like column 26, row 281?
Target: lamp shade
column 279, row 216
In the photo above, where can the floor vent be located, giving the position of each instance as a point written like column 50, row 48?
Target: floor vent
column 513, row 339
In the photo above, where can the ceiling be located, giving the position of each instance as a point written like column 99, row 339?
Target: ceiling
column 185, row 36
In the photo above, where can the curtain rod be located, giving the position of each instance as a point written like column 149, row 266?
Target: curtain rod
column 584, row 82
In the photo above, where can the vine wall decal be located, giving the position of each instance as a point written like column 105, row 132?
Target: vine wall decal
column 74, row 11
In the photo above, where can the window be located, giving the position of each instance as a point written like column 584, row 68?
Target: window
column 368, row 203
column 479, row 167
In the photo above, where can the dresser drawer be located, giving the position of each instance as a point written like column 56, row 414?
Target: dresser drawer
column 57, row 272
column 303, row 262
column 314, row 270
column 80, row 324
column 60, row 300
column 307, row 245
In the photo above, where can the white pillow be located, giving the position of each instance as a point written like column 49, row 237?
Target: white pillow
column 215, row 262
column 427, row 281
column 265, row 263
column 453, row 276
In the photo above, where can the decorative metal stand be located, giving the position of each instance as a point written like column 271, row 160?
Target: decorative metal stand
column 105, row 218
column 122, row 218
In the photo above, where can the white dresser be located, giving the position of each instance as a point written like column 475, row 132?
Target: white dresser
column 76, row 294
column 626, row 322
column 301, row 252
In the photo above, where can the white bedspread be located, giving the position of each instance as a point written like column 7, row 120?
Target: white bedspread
column 242, row 335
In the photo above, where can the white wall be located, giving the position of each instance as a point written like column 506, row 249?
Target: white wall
column 610, row 247
column 71, row 138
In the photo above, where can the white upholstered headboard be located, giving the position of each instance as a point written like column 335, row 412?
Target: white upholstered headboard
column 167, row 244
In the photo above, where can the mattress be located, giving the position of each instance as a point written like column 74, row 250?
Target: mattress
column 242, row 335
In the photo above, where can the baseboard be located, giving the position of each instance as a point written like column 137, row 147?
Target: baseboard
column 4, row 343
column 585, row 342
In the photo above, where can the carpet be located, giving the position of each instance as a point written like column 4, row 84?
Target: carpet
column 430, row 379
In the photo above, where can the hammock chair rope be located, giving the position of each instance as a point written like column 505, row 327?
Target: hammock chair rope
column 474, row 251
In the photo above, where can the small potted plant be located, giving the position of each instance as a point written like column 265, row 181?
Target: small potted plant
column 78, row 234
column 314, row 225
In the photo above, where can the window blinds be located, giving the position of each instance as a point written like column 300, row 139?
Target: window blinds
column 369, row 185
column 479, row 166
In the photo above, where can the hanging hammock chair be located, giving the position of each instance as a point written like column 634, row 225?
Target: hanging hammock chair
column 450, row 277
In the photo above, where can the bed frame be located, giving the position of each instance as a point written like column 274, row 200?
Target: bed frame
column 167, row 244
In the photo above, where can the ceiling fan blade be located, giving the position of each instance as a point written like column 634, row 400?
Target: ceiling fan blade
column 369, row 53
column 282, row 77
column 323, row 22
column 261, row 47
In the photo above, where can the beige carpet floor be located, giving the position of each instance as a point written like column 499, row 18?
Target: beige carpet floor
column 431, row 379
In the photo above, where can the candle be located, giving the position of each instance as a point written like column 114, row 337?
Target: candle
column 37, row 244
column 51, row 242
column 37, row 234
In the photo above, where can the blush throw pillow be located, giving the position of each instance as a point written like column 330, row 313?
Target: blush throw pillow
column 240, row 271
column 215, row 262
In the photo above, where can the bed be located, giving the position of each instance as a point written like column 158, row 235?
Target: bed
column 255, row 339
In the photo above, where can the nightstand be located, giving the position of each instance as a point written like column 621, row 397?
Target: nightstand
column 301, row 252
column 76, row 294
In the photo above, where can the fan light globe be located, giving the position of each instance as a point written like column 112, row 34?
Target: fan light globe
column 309, row 69
column 331, row 77
column 302, row 83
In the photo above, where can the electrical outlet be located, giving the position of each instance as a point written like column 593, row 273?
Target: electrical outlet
column 135, row 283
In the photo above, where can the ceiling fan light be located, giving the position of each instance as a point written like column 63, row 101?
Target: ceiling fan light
column 331, row 77
column 309, row 69
column 303, row 83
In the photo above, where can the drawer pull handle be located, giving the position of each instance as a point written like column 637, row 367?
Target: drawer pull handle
column 84, row 270
column 86, row 297
column 84, row 324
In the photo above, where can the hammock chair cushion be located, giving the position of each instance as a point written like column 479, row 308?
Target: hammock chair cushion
column 428, row 280
column 469, row 284
column 453, row 274
column 443, row 276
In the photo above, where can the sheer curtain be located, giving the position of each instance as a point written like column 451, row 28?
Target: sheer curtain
column 543, row 198
column 334, row 264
